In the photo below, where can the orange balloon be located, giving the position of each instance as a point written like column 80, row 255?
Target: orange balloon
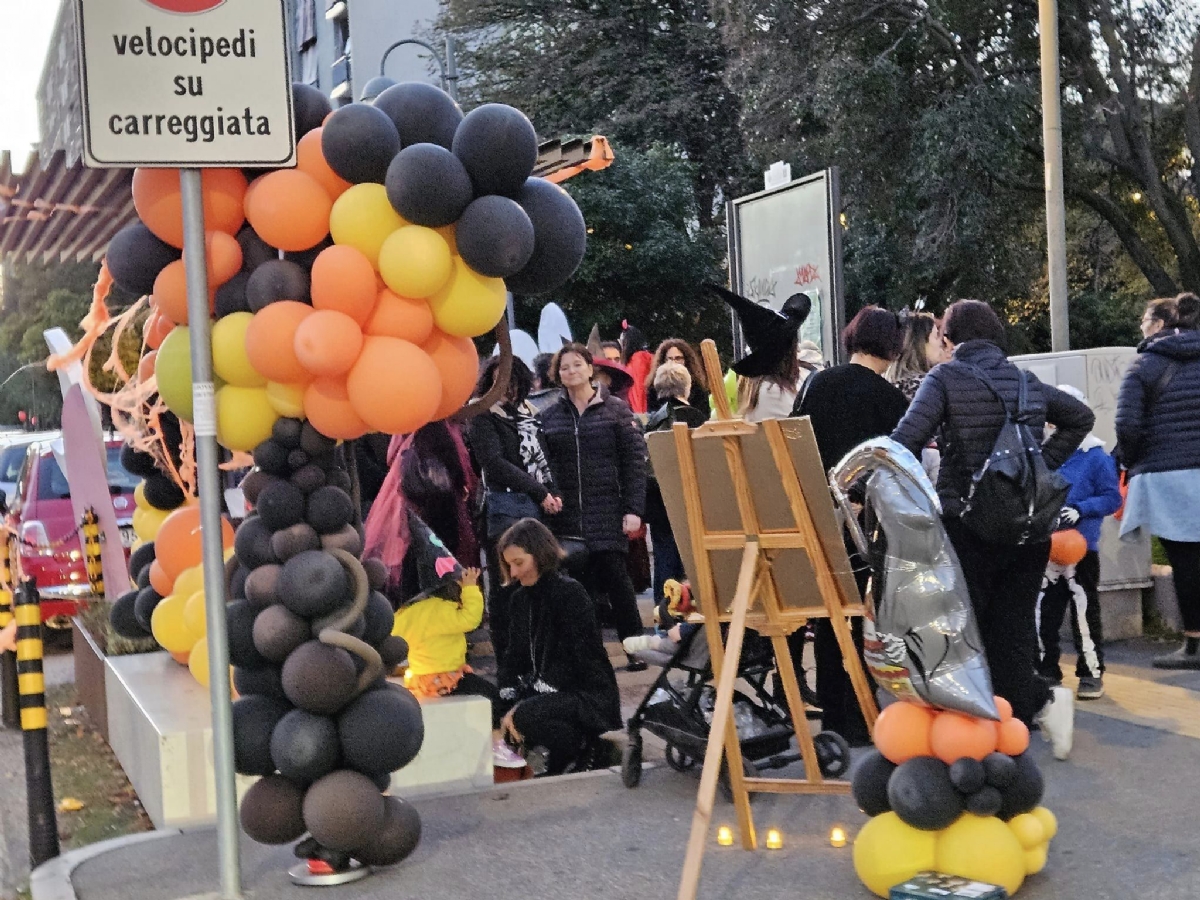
column 394, row 387
column 177, row 544
column 328, row 409
column 182, row 657
column 1012, row 737
column 157, row 327
column 159, row 579
column 311, row 160
column 270, row 341
column 289, row 210
column 1067, row 547
column 1003, row 707
column 458, row 362
column 327, row 343
column 400, row 317
column 223, row 255
column 955, row 735
column 159, row 203
column 902, row 731
column 170, row 292
column 344, row 279
column 146, row 366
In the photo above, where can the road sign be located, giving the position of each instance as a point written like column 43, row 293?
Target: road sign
column 185, row 83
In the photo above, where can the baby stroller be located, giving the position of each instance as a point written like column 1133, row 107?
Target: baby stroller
column 680, row 715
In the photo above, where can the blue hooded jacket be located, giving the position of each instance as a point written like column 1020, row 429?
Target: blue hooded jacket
column 1095, row 490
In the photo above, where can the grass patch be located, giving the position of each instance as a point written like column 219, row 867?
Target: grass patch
column 84, row 768
column 96, row 620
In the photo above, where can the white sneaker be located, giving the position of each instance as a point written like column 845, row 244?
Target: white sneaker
column 640, row 642
column 1057, row 720
column 505, row 757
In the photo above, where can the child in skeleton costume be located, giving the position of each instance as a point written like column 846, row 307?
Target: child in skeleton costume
column 1095, row 493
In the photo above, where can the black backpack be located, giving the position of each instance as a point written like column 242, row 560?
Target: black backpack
column 1014, row 498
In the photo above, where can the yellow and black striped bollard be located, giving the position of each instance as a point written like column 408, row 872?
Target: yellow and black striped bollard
column 91, row 552
column 10, row 701
column 39, row 790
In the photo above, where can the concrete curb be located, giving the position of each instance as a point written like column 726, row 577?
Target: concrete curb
column 52, row 879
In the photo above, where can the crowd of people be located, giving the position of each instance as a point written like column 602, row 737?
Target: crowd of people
column 552, row 488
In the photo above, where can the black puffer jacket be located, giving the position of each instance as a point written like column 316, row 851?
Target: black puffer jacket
column 955, row 402
column 599, row 464
column 1160, row 432
column 496, row 444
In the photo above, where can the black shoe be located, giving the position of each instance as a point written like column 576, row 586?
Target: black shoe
column 636, row 665
column 1180, row 659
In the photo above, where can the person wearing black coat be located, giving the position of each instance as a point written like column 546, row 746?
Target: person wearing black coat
column 598, row 458
column 509, row 449
column 556, row 675
column 1158, row 439
column 1003, row 580
column 847, row 405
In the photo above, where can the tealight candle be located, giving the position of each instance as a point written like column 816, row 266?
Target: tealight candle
column 837, row 836
column 725, row 836
column 774, row 839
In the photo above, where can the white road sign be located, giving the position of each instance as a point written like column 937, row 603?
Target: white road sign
column 185, row 83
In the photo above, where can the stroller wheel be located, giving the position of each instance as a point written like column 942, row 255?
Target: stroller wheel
column 631, row 764
column 833, row 753
column 678, row 760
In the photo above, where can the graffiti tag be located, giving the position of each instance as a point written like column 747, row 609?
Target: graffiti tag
column 807, row 274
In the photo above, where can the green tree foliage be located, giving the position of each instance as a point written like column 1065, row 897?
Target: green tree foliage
column 647, row 255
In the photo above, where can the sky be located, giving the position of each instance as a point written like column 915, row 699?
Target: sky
column 25, row 35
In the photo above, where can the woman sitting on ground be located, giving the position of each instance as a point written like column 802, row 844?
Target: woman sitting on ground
column 556, row 673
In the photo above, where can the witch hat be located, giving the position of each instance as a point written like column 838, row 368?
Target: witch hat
column 438, row 572
column 769, row 335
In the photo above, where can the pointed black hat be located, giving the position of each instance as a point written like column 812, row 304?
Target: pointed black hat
column 769, row 335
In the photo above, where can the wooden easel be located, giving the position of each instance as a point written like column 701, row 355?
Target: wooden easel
column 757, row 603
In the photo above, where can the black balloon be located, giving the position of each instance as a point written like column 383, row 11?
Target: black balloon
column 315, row 444
column 297, row 459
column 378, row 619
column 231, row 296
column 143, row 608
column 135, row 257
column 311, row 107
column 422, row 113
column 305, row 258
column 304, row 746
column 346, row 538
column 137, row 462
column 262, row 585
column 308, row 478
column 1026, row 789
column 359, row 142
column 498, row 147
column 869, row 783
column 392, row 711
column 287, row 432
column 255, row 251
column 375, row 87
column 393, row 651
column 329, row 509
column 967, row 775
column 986, row 801
column 252, row 543
column 397, row 837
column 280, row 505
column 271, row 810
column 142, row 580
column 319, row 678
column 313, row 584
column 428, row 185
column 254, row 718
column 376, row 572
column 560, row 238
column 495, row 236
column 278, row 631
column 921, row 794
column 162, row 493
column 267, row 682
column 237, row 583
column 295, row 539
column 123, row 617
column 271, row 457
column 274, row 280
column 999, row 769
column 344, row 810
column 141, row 557
column 239, row 620
column 253, row 484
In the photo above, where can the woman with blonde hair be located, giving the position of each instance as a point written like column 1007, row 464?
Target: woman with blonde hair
column 920, row 350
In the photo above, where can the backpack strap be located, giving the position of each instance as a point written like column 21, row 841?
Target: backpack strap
column 1156, row 390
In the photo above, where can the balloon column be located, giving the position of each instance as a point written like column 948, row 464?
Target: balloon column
column 347, row 290
column 310, row 641
column 950, row 793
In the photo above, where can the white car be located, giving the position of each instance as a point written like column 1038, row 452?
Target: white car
column 12, row 456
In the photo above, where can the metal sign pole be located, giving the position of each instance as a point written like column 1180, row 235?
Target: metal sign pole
column 204, row 419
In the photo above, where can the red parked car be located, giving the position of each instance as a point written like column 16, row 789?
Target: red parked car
column 46, row 544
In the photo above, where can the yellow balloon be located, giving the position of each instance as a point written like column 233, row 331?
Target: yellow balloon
column 286, row 399
column 198, row 661
column 984, row 849
column 189, row 581
column 244, row 417
column 173, row 372
column 229, row 351
column 415, row 262
column 147, row 520
column 1028, row 830
column 194, row 616
column 363, row 218
column 139, row 495
column 1035, row 859
column 168, row 627
column 1048, row 820
column 887, row 851
column 469, row 304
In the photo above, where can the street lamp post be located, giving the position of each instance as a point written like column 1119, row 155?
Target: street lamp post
column 449, row 70
column 1056, row 214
